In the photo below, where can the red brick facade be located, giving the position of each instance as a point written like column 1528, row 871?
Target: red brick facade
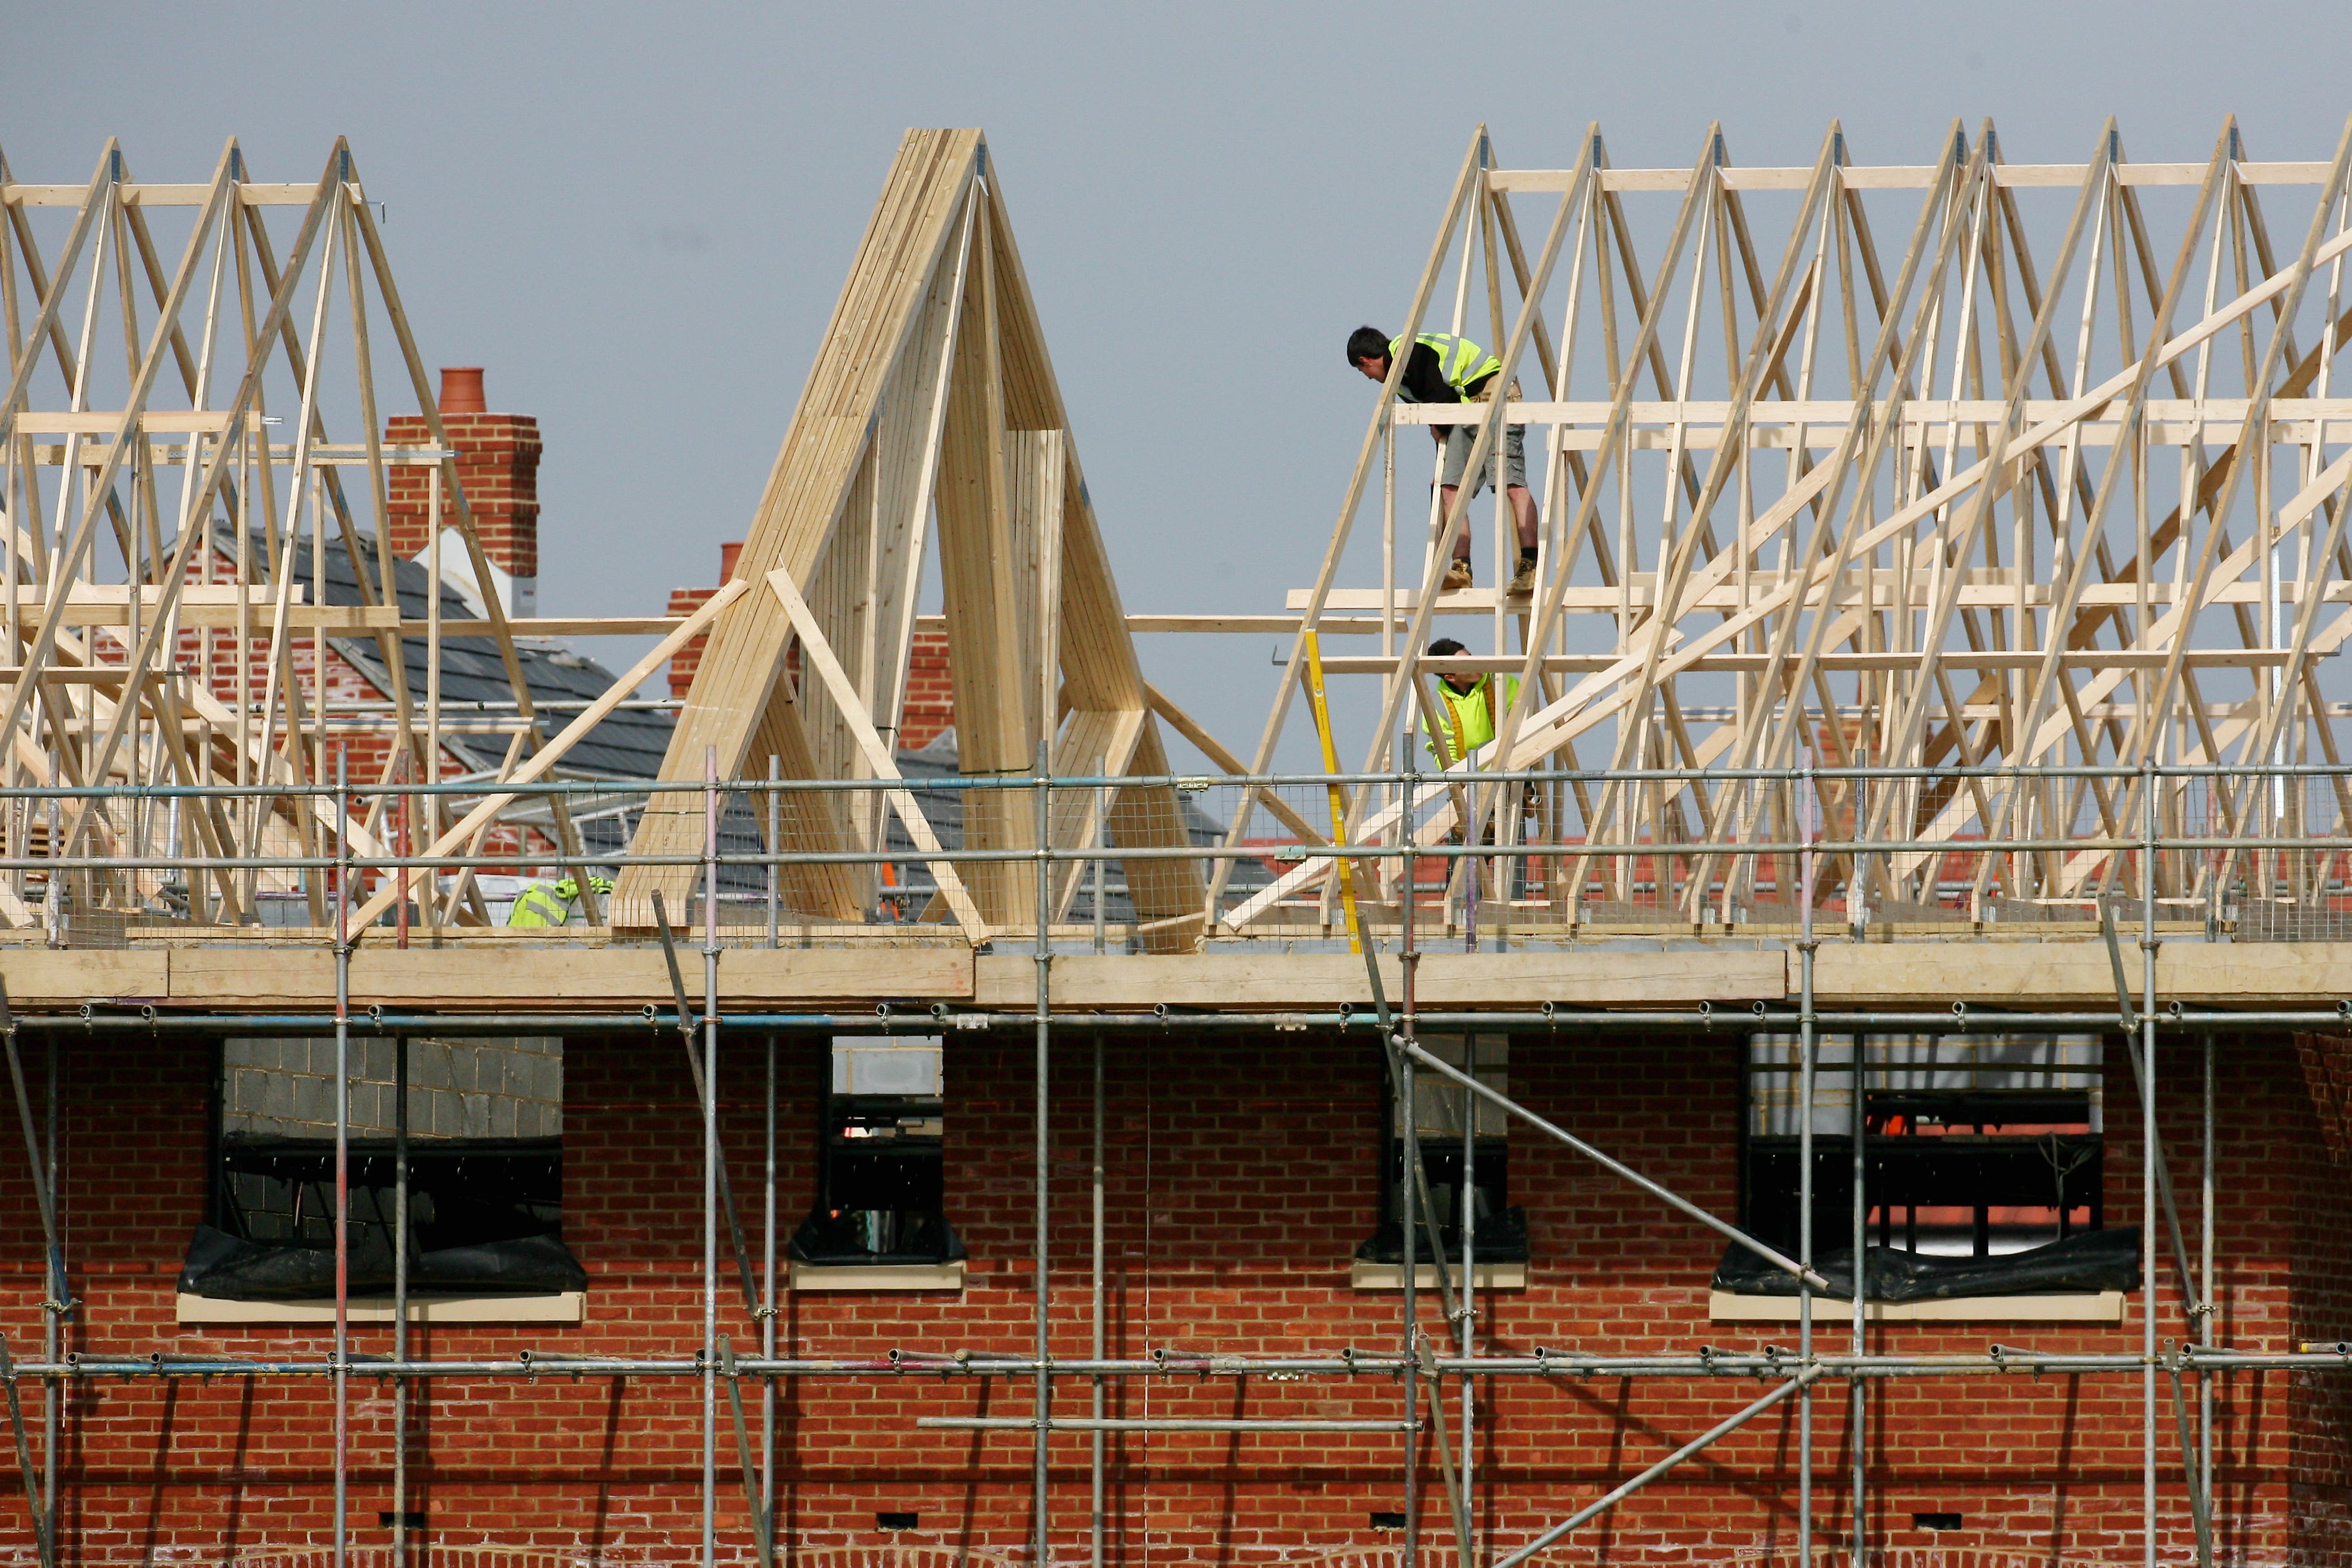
column 1241, row 1177
column 931, row 692
column 684, row 602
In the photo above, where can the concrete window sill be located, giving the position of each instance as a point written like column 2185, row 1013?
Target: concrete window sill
column 566, row 1307
column 878, row 1277
column 1363, row 1275
column 2105, row 1307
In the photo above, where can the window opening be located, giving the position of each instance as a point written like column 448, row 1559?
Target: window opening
column 880, row 1180
column 1974, row 1145
column 1439, row 1109
column 485, row 1170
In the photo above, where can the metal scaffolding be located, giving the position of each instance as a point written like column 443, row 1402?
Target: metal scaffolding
column 1789, row 762
column 1439, row 1365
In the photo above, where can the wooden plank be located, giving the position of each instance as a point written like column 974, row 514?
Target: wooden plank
column 1092, row 743
column 748, row 977
column 2284, row 975
column 736, row 704
column 1033, row 466
column 2076, row 973
column 1898, row 177
column 151, row 194
column 978, row 571
column 39, row 978
column 1099, row 667
column 1240, row 981
column 299, row 979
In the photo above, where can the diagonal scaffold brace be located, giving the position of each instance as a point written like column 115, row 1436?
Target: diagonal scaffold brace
column 36, row 1498
column 762, row 1525
column 61, row 1294
column 702, row 1093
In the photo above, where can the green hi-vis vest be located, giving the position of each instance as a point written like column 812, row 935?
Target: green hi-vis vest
column 1460, row 361
column 545, row 904
column 1469, row 718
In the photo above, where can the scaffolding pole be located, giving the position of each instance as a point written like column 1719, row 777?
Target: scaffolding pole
column 1040, row 1453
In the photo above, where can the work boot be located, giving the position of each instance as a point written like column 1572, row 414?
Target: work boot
column 1457, row 575
column 1523, row 581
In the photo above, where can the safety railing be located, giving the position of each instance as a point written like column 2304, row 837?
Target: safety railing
column 2254, row 852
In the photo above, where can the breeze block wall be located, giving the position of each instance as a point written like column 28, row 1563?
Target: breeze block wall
column 1241, row 1174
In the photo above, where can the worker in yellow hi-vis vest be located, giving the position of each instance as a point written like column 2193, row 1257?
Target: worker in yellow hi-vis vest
column 551, row 903
column 1444, row 368
column 1469, row 710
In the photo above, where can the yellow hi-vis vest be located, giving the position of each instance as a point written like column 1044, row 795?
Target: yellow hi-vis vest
column 1460, row 361
column 1469, row 718
column 545, row 904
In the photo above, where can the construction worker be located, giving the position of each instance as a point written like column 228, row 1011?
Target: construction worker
column 1444, row 368
column 551, row 903
column 1469, row 710
column 1469, row 713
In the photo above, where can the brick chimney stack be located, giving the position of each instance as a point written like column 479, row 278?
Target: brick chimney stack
column 684, row 602
column 497, row 463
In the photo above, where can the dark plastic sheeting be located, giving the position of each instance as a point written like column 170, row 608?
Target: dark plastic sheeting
column 229, row 1268
column 822, row 1239
column 2095, row 1261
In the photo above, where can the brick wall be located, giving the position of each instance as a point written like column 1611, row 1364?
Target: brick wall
column 931, row 692
column 684, row 602
column 2321, row 1250
column 1241, row 1177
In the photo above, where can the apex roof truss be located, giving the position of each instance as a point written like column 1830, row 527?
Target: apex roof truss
column 930, row 426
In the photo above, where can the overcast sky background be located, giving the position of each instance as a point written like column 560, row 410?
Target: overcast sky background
column 638, row 218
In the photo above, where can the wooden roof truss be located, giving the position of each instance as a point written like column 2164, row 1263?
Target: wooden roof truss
column 119, row 470
column 930, row 426
column 1994, row 464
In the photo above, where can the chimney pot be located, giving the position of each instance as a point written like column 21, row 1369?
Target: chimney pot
column 727, row 555
column 461, row 390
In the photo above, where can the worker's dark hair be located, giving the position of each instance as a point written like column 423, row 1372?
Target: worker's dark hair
column 1367, row 342
column 1443, row 647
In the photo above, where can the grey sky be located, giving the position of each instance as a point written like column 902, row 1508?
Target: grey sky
column 638, row 218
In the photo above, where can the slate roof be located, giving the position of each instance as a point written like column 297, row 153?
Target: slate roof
column 627, row 744
column 630, row 743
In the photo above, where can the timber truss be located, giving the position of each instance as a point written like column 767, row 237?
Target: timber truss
column 163, row 537
column 167, row 540
column 1992, row 465
column 931, row 420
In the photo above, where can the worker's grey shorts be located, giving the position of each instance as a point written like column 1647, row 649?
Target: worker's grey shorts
column 1460, row 438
